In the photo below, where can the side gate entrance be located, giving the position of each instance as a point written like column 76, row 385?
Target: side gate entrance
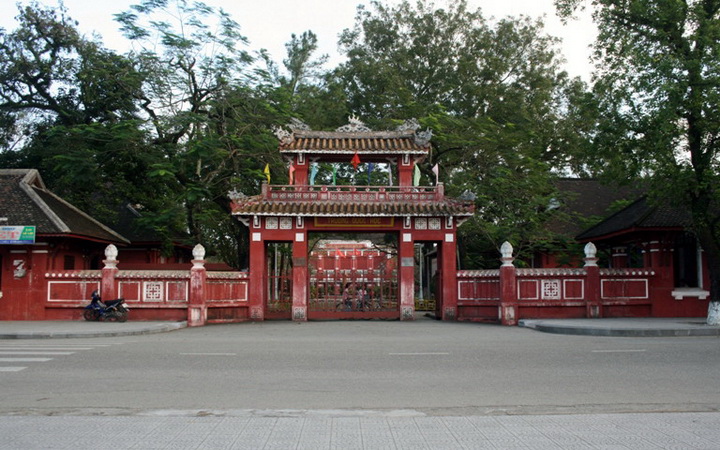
column 279, row 284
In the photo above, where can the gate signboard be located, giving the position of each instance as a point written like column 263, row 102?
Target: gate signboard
column 20, row 234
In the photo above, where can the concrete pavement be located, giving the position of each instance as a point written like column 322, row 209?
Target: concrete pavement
column 323, row 430
column 625, row 327
column 47, row 329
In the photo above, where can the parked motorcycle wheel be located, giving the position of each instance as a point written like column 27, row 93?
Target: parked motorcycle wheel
column 110, row 317
column 90, row 314
column 122, row 316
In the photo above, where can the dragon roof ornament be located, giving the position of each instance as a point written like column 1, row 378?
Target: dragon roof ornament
column 237, row 196
column 355, row 125
column 284, row 136
column 422, row 138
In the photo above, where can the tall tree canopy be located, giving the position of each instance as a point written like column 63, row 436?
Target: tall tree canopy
column 658, row 91
column 493, row 94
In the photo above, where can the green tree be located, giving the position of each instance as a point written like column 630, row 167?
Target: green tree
column 500, row 108
column 192, row 60
column 66, row 108
column 658, row 91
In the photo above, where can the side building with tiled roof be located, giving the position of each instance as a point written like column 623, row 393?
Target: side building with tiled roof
column 65, row 238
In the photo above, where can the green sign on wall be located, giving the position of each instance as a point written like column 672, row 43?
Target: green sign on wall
column 17, row 234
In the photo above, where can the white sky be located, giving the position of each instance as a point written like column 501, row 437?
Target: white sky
column 269, row 23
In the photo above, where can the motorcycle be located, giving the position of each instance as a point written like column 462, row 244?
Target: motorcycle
column 109, row 311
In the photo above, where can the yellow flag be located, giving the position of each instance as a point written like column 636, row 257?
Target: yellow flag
column 267, row 172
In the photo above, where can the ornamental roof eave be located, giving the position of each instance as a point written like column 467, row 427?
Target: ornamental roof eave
column 255, row 206
column 354, row 138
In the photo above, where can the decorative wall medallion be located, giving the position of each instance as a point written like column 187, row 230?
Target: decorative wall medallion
column 551, row 290
column 153, row 291
column 271, row 223
column 286, row 223
column 421, row 223
column 434, row 223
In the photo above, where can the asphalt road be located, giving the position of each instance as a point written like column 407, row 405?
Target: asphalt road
column 437, row 368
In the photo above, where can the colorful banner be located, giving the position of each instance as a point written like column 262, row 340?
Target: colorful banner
column 20, row 234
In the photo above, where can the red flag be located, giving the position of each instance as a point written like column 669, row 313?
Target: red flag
column 291, row 176
column 338, row 253
column 355, row 161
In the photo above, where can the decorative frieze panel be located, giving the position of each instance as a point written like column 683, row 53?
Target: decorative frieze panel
column 434, row 223
column 286, row 223
column 271, row 223
column 421, row 223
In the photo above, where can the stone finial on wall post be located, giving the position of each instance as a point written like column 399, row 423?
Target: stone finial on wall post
column 506, row 253
column 198, row 256
column 111, row 253
column 197, row 307
column 107, row 283
column 593, row 299
column 590, row 255
column 508, row 287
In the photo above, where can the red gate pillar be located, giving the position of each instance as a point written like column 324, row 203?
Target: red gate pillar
column 508, row 287
column 107, row 285
column 197, row 306
column 38, row 289
column 257, row 276
column 407, row 277
column 300, row 277
column 592, row 293
column 449, row 278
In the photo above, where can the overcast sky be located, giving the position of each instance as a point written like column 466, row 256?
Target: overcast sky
column 269, row 23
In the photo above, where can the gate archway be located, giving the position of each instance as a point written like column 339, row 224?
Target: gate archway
column 353, row 278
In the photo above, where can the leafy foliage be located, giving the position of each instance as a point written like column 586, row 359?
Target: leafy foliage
column 658, row 93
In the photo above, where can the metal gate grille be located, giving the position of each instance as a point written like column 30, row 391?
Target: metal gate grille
column 280, row 280
column 352, row 284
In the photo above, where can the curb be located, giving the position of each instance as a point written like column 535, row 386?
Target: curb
column 619, row 332
column 90, row 334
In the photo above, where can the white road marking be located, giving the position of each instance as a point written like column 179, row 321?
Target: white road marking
column 36, row 353
column 620, row 351
column 209, row 354
column 45, row 348
column 25, row 359
column 11, row 369
column 419, row 354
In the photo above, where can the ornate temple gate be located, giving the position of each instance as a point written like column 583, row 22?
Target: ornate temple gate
column 352, row 280
column 379, row 192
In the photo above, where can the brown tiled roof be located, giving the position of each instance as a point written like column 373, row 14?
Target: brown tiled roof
column 24, row 200
column 585, row 199
column 257, row 206
column 337, row 142
column 640, row 215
